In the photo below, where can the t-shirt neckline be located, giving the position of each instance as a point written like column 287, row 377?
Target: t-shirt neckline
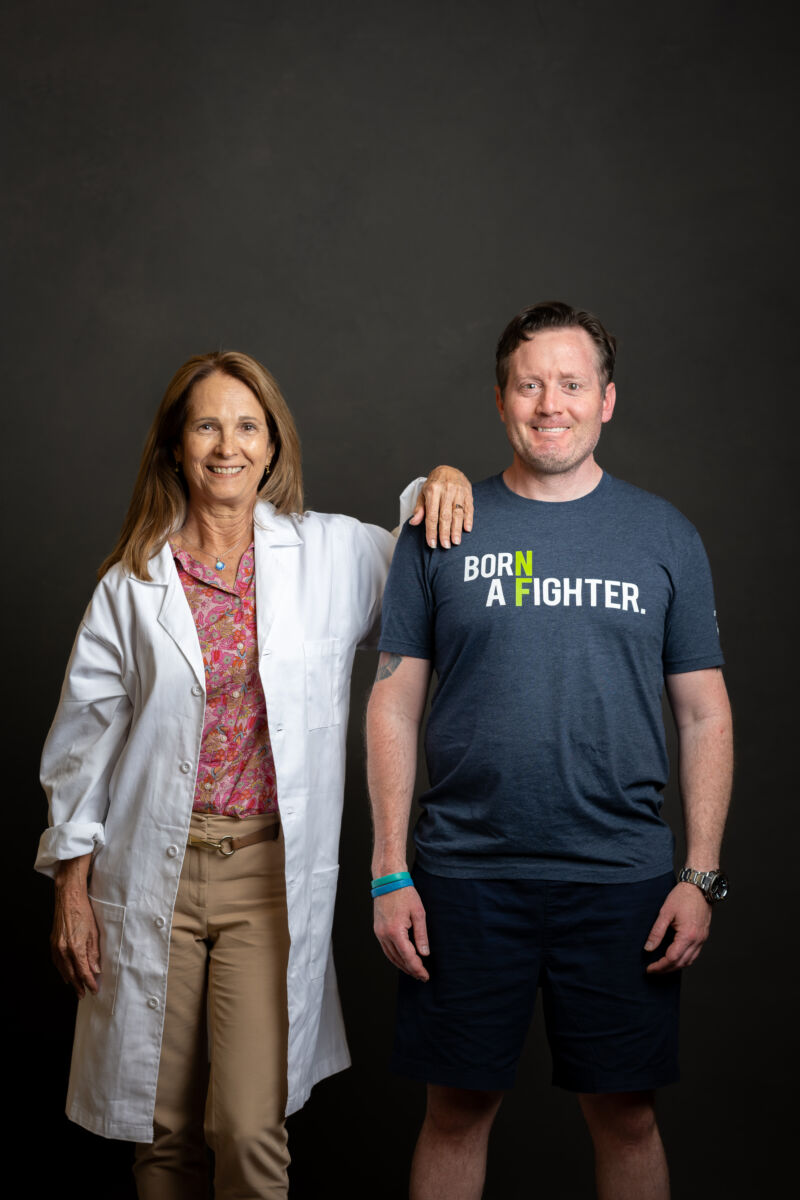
column 555, row 505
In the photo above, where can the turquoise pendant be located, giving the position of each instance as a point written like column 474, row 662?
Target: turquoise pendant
column 219, row 565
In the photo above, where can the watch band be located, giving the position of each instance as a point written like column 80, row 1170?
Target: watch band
column 698, row 878
column 712, row 884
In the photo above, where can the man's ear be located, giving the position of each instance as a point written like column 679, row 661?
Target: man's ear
column 498, row 399
column 609, row 400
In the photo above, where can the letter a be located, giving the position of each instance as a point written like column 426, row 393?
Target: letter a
column 495, row 593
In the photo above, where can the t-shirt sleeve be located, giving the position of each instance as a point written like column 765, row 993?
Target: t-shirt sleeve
column 407, row 624
column 691, row 641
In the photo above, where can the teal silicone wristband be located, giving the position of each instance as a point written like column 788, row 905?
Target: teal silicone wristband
column 392, row 887
column 390, row 878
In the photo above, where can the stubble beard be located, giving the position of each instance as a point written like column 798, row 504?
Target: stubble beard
column 549, row 463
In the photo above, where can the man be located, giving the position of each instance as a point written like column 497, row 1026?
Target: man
column 541, row 856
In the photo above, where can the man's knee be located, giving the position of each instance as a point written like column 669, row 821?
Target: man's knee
column 461, row 1112
column 627, row 1118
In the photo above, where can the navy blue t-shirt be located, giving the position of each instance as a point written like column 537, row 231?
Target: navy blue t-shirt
column 551, row 628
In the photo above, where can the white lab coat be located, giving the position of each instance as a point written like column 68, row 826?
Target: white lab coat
column 119, row 768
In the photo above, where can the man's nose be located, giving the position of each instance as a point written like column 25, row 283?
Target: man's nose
column 549, row 399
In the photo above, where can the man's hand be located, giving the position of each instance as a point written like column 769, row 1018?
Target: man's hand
column 687, row 911
column 75, row 939
column 394, row 914
column 445, row 502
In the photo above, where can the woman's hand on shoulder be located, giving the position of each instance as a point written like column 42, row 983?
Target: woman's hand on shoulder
column 75, row 939
column 445, row 502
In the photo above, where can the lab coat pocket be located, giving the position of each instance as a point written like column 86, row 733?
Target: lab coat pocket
column 322, row 663
column 323, row 897
column 111, row 924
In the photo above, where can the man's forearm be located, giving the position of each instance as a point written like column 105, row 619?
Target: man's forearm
column 391, row 770
column 705, row 740
column 393, row 719
column 706, row 774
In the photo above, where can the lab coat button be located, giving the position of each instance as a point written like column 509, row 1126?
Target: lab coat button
column 186, row 767
column 152, row 1002
column 159, row 922
column 172, row 851
column 197, row 690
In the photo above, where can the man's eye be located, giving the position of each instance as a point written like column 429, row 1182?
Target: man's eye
column 572, row 387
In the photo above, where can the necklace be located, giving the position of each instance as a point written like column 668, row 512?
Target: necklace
column 219, row 561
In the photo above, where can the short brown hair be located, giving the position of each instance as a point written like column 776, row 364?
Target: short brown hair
column 158, row 504
column 554, row 314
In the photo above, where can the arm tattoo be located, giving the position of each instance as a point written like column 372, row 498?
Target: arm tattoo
column 389, row 667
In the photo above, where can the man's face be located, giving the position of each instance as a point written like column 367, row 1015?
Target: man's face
column 554, row 404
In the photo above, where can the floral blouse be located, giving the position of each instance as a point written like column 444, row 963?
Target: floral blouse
column 236, row 775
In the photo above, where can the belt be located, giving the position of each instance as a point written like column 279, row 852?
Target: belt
column 229, row 844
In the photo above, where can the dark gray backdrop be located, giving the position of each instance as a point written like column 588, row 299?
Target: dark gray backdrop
column 361, row 195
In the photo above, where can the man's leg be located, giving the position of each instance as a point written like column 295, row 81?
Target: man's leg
column 630, row 1163
column 463, row 1031
column 450, row 1159
column 613, row 1028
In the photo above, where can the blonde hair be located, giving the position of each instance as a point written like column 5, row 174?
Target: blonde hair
column 160, row 495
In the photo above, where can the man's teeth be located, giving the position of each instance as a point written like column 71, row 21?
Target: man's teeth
column 551, row 428
column 226, row 470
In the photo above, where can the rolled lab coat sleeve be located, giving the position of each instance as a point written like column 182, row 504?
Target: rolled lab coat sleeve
column 408, row 499
column 376, row 548
column 83, row 746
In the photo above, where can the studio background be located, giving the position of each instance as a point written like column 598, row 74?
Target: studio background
column 361, row 195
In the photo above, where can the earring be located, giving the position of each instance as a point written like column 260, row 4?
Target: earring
column 267, row 467
column 177, row 467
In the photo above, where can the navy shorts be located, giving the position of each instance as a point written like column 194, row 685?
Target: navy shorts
column 611, row 1027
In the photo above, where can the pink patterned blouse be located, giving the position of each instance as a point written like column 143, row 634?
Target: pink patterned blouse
column 236, row 775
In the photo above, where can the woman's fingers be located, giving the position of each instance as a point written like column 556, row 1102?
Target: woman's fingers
column 75, row 941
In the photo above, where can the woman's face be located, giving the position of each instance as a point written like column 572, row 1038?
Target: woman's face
column 225, row 445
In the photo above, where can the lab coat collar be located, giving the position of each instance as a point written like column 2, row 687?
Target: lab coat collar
column 271, row 532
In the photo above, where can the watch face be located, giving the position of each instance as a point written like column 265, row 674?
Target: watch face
column 719, row 888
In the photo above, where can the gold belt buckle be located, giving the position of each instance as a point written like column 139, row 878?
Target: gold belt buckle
column 195, row 841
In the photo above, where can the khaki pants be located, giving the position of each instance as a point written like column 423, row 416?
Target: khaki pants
column 226, row 1001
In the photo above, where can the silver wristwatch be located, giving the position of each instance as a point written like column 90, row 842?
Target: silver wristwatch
column 712, row 884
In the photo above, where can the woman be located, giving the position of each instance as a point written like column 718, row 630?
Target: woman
column 195, row 771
